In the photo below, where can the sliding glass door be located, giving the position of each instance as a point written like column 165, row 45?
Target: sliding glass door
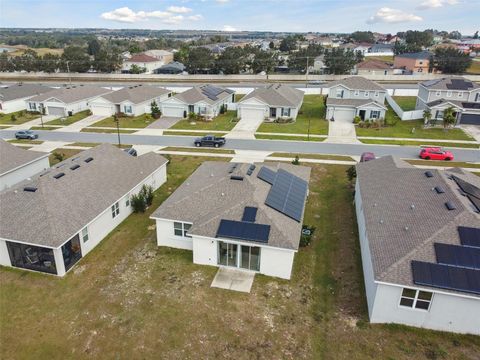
column 250, row 258
column 227, row 254
column 247, row 258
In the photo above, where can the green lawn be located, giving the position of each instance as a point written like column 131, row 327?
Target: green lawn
column 26, row 141
column 444, row 163
column 239, row 97
column 288, row 137
column 187, row 133
column 195, row 149
column 96, row 130
column 135, row 122
column 70, row 119
column 407, row 103
column 403, row 129
column 129, row 298
column 312, row 111
column 45, row 128
column 223, row 122
column 312, row 156
column 61, row 154
column 474, row 67
column 418, row 143
column 22, row 116
column 87, row 144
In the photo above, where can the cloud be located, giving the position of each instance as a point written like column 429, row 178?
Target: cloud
column 195, row 17
column 391, row 16
column 228, row 28
column 179, row 9
column 123, row 14
column 434, row 4
column 174, row 19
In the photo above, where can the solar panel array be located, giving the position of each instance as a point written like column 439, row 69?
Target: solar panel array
column 469, row 236
column 249, row 214
column 472, row 192
column 267, row 175
column 457, row 255
column 459, row 84
column 242, row 230
column 212, row 92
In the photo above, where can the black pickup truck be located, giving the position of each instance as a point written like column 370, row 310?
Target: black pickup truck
column 210, row 140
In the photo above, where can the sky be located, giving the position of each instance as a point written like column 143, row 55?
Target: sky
column 387, row 16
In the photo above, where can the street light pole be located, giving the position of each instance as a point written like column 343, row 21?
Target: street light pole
column 118, row 129
column 69, row 77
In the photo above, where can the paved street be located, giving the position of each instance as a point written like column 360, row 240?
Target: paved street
column 244, row 144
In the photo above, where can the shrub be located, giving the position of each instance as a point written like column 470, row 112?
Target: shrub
column 155, row 110
column 351, row 173
column 222, row 109
column 147, row 193
column 357, row 119
column 13, row 118
column 296, row 161
column 58, row 156
column 89, row 112
column 138, row 203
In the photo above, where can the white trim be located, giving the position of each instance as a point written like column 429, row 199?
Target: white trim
column 233, row 241
column 25, row 164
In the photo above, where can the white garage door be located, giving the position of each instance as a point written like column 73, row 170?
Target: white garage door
column 102, row 110
column 173, row 111
column 58, row 111
column 254, row 115
column 344, row 114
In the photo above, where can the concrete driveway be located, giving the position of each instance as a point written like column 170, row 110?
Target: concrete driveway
column 342, row 132
column 245, row 129
column 233, row 279
column 472, row 130
column 164, row 122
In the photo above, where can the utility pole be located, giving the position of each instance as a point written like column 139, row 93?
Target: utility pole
column 306, row 74
column 69, row 77
column 117, row 121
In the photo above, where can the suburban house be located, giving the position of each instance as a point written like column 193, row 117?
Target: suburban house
column 457, row 92
column 413, row 62
column 142, row 61
column 17, row 164
column 131, row 100
column 363, row 48
column 380, row 50
column 50, row 222
column 238, row 215
column 163, row 55
column 374, row 67
column 318, row 65
column 355, row 96
column 12, row 97
column 204, row 100
column 65, row 101
column 174, row 67
column 420, row 245
column 271, row 102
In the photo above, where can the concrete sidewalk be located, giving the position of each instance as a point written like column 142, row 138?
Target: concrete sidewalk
column 35, row 122
column 79, row 125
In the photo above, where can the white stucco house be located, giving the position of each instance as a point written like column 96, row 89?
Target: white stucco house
column 66, row 101
column 457, row 92
column 420, row 245
column 133, row 100
column 270, row 103
column 355, row 96
column 205, row 100
column 237, row 215
column 48, row 223
column 17, row 164
column 12, row 97
column 142, row 61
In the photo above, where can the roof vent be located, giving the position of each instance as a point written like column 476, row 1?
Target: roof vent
column 87, row 160
column 59, row 175
column 406, row 228
column 381, row 221
column 232, row 169
column 74, row 167
column 428, row 174
column 450, row 205
column 439, row 190
column 412, row 206
column 29, row 189
column 236, row 177
column 250, row 169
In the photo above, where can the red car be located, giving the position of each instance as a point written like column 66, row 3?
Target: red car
column 435, row 153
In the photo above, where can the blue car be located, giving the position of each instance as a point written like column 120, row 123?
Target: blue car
column 26, row 134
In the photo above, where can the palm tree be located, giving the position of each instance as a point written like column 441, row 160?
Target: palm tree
column 427, row 116
column 449, row 117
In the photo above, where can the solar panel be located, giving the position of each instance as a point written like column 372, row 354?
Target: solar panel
column 267, row 175
column 249, row 214
column 456, row 255
column 469, row 236
column 475, row 201
column 242, row 230
column 467, row 187
column 428, row 174
column 446, row 277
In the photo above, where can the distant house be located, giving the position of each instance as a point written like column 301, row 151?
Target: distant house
column 355, row 96
column 380, row 50
column 457, row 92
column 420, row 245
column 362, row 48
column 17, row 164
column 318, row 65
column 271, row 102
column 66, row 101
column 413, row 62
column 174, row 67
column 12, row 97
column 162, row 55
column 225, row 214
column 374, row 67
column 143, row 61
column 49, row 223
column 205, row 100
column 131, row 100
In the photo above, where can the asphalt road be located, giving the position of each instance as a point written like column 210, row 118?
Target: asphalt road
column 240, row 144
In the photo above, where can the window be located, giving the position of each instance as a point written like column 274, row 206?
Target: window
column 115, row 210
column 449, row 94
column 32, row 106
column 339, row 93
column 367, row 94
column 127, row 109
column 285, row 111
column 439, row 115
column 416, row 299
column 127, row 201
column 181, row 229
column 374, row 114
column 85, row 234
column 419, row 70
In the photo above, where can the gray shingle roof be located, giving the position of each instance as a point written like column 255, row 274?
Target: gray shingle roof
column 136, row 94
column 62, row 207
column 458, row 83
column 422, row 55
column 209, row 195
column 277, row 95
column 398, row 233
column 72, row 94
column 201, row 93
column 357, row 83
column 12, row 157
column 21, row 91
column 353, row 102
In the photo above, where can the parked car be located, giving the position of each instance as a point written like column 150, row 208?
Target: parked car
column 367, row 156
column 131, row 151
column 210, row 140
column 26, row 134
column 435, row 153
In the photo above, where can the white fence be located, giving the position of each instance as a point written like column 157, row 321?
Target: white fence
column 404, row 115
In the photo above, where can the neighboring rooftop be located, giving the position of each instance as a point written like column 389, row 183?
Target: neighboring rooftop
column 357, row 83
column 209, row 195
column 141, row 58
column 451, row 83
column 422, row 55
column 352, row 102
column 60, row 207
column 136, row 94
column 373, row 64
column 21, row 91
column 72, row 94
column 207, row 93
column 277, row 95
column 405, row 215
column 158, row 53
column 13, row 157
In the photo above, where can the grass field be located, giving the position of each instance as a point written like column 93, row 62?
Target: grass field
column 39, row 51
column 382, row 58
column 312, row 156
column 129, row 298
column 418, row 143
column 21, row 117
column 135, row 122
column 63, row 154
column 70, row 119
column 407, row 103
column 26, row 141
column 222, row 122
column 312, row 111
column 474, row 67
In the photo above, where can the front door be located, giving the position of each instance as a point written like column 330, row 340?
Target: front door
column 273, row 112
column 362, row 114
column 227, row 254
